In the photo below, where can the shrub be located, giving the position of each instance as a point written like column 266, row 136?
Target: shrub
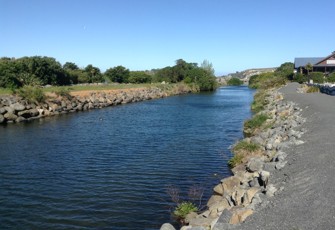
column 206, row 83
column 273, row 82
column 254, row 81
column 188, row 80
column 317, row 77
column 331, row 77
column 267, row 81
column 31, row 94
column 184, row 208
column 300, row 78
column 235, row 81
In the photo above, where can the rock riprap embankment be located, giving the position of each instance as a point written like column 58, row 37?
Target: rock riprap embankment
column 14, row 109
column 237, row 197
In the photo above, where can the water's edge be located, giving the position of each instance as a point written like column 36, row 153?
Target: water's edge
column 14, row 109
column 238, row 196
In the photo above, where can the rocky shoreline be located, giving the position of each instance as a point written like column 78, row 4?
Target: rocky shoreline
column 14, row 109
column 239, row 196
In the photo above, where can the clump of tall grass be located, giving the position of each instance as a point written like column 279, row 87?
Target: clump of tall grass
column 31, row 94
column 245, row 146
column 312, row 89
column 235, row 160
column 256, row 121
column 183, row 207
column 242, row 150
column 260, row 101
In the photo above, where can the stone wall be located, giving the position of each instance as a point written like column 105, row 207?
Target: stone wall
column 14, row 109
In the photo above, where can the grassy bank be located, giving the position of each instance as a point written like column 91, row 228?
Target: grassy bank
column 264, row 83
column 99, row 87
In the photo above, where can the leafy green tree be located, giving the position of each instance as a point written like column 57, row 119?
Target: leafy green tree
column 77, row 76
column 300, row 78
column 286, row 70
column 32, row 71
column 70, row 66
column 176, row 73
column 118, row 74
column 317, row 77
column 331, row 77
column 94, row 74
column 309, row 67
column 81, row 76
column 202, row 78
column 206, row 65
column 235, row 81
column 166, row 74
column 8, row 74
column 139, row 77
column 46, row 69
column 180, row 70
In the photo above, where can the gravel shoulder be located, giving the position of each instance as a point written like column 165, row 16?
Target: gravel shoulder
column 307, row 200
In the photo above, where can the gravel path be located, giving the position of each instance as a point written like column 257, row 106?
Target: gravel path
column 308, row 198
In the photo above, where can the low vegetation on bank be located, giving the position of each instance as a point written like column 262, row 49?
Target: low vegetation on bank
column 242, row 150
column 259, row 101
column 31, row 94
column 261, row 121
column 184, row 208
column 258, row 123
column 263, row 83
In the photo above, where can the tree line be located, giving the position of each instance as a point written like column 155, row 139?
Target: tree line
column 40, row 71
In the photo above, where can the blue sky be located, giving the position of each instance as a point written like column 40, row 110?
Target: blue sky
column 143, row 34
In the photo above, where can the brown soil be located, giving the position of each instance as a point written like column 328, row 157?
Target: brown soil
column 84, row 93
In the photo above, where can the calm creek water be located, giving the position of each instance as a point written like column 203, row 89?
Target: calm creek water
column 110, row 168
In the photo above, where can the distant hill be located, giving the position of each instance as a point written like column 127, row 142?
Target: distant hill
column 244, row 75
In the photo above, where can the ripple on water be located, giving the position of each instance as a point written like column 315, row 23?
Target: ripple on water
column 110, row 168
